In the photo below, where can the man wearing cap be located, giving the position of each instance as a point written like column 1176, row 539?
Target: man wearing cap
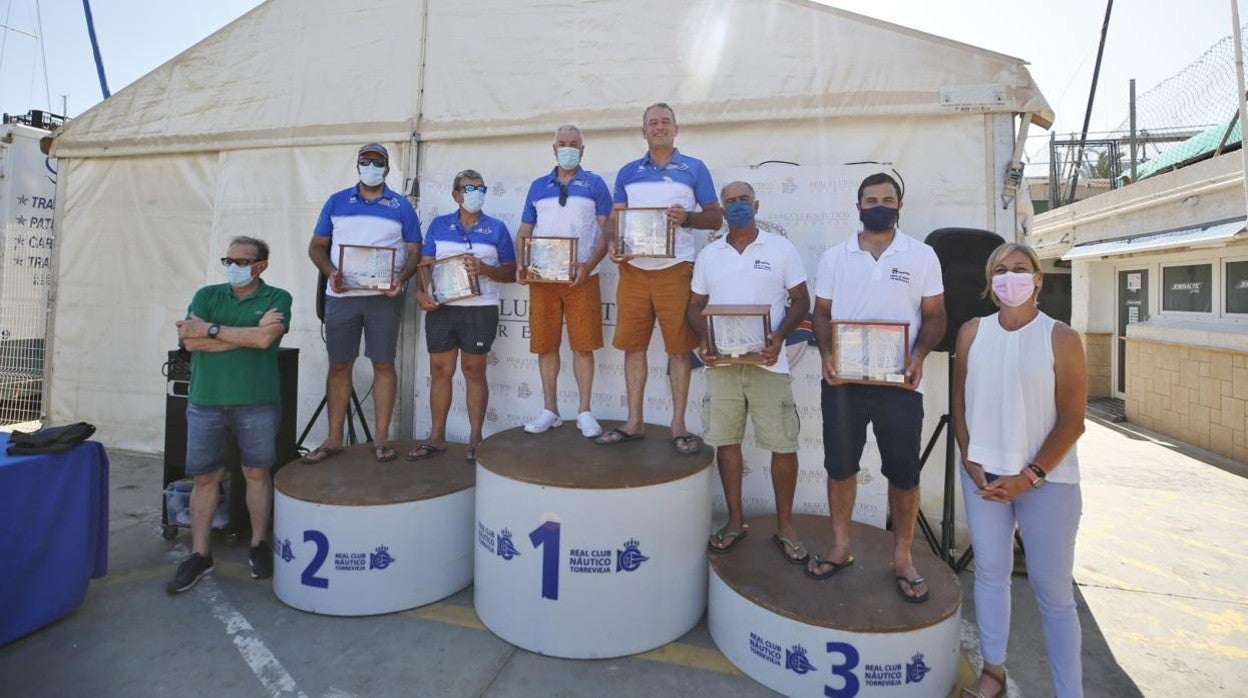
column 370, row 214
column 568, row 202
column 659, row 288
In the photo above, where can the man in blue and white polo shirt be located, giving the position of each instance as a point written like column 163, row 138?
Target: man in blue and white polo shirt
column 751, row 267
column 567, row 202
column 368, row 213
column 878, row 274
column 651, row 288
column 464, row 330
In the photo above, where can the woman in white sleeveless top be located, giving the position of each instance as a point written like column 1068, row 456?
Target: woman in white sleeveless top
column 1019, row 394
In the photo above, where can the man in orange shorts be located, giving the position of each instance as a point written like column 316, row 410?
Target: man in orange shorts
column 653, row 288
column 567, row 202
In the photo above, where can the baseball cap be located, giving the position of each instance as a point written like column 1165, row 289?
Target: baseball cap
column 375, row 148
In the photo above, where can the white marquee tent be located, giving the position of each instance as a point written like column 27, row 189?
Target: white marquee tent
column 248, row 131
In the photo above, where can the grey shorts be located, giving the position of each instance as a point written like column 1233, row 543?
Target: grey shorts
column 377, row 317
column 469, row 328
column 209, row 428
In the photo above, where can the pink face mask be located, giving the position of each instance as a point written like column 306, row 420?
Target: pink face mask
column 1013, row 288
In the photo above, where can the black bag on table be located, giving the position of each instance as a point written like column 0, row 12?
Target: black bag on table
column 49, row 439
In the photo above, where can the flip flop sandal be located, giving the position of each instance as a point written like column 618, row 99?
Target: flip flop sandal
column 679, row 441
column 424, row 452
column 617, row 436
column 384, row 453
column 320, row 453
column 720, row 536
column 786, row 545
column 970, row 693
column 912, row 583
column 471, row 454
column 836, row 567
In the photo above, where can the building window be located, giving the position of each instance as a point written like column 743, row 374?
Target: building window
column 1237, row 287
column 1187, row 288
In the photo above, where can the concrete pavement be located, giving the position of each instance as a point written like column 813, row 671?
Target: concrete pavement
column 1160, row 563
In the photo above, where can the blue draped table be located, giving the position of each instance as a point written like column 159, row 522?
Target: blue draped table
column 53, row 534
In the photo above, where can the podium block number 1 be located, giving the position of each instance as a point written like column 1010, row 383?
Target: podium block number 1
column 546, row 537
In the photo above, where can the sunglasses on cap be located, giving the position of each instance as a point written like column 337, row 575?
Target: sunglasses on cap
column 379, row 162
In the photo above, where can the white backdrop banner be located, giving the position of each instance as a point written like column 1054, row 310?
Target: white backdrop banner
column 811, row 206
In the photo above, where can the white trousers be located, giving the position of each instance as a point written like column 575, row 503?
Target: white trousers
column 1048, row 519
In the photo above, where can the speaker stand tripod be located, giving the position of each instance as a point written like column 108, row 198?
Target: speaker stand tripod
column 354, row 411
column 943, row 548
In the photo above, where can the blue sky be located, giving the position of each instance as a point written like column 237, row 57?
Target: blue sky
column 1149, row 40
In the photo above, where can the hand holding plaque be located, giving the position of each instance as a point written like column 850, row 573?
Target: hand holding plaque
column 870, row 352
column 447, row 279
column 737, row 334
column 364, row 267
column 548, row 260
column 645, row 232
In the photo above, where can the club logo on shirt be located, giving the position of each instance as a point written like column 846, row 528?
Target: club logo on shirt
column 389, row 202
column 762, row 265
column 900, row 275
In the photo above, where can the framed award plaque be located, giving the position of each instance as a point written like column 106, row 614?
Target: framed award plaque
column 737, row 334
column 645, row 232
column 548, row 259
column 365, row 267
column 447, row 279
column 871, row 352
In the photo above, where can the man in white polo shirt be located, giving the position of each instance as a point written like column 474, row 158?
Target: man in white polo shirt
column 878, row 274
column 751, row 267
column 659, row 288
column 567, row 202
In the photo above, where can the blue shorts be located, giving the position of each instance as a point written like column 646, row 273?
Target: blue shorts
column 377, row 317
column 896, row 417
column 209, row 429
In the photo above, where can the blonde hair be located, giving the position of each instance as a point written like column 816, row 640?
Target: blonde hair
column 1001, row 253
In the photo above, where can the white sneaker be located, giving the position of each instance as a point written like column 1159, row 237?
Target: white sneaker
column 590, row 428
column 544, row 421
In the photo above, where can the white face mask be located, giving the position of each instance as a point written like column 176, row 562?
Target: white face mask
column 568, row 158
column 237, row 276
column 473, row 201
column 372, row 175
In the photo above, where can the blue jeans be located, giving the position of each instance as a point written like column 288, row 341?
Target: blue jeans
column 209, row 428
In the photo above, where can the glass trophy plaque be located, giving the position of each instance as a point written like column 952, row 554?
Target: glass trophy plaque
column 645, row 232
column 366, row 268
column 870, row 352
column 447, row 279
column 548, row 260
column 737, row 334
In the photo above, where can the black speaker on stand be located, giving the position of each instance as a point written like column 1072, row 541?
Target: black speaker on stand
column 352, row 412
column 963, row 253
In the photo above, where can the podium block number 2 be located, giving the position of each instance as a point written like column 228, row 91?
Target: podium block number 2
column 546, row 537
column 309, row 578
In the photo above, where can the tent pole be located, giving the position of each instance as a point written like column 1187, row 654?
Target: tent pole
column 1239, row 82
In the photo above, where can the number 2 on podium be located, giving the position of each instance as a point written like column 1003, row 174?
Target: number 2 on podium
column 546, row 537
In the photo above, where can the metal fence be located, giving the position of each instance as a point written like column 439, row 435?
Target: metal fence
column 25, row 288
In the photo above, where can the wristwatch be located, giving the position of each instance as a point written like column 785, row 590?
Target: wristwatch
column 213, row 330
column 1035, row 474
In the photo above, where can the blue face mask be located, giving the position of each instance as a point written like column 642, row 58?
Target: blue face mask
column 739, row 214
column 372, row 175
column 473, row 201
column 237, row 276
column 879, row 218
column 568, row 158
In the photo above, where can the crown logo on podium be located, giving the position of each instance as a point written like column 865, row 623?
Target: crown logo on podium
column 795, row 660
column 630, row 558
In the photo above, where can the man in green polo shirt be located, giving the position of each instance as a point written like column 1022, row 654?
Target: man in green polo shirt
column 233, row 331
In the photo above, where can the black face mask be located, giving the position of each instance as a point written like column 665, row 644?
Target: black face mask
column 879, row 218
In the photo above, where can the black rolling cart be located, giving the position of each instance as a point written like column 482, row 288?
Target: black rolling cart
column 177, row 372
